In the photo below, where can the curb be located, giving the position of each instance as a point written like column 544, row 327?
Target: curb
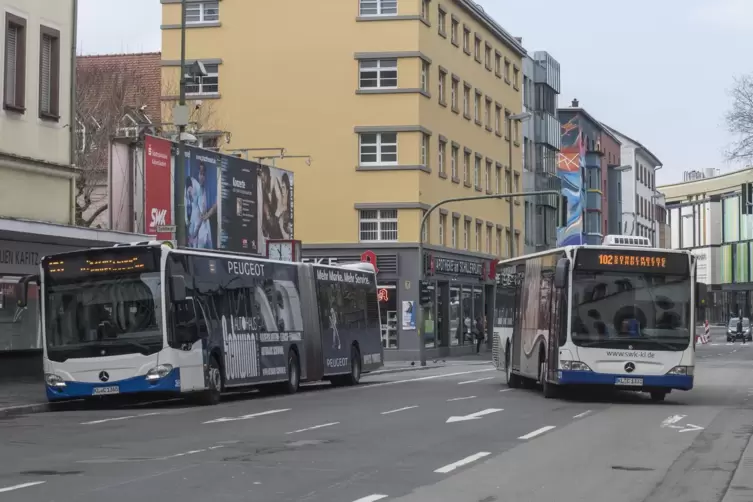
column 403, row 370
column 25, row 409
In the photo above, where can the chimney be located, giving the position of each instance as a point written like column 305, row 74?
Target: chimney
column 520, row 40
column 575, row 103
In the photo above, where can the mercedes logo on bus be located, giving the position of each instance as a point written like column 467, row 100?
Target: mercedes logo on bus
column 104, row 376
column 629, row 367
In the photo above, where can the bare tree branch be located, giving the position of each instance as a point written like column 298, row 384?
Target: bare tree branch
column 740, row 119
column 203, row 116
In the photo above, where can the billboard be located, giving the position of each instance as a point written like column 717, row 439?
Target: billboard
column 275, row 204
column 201, row 174
column 158, row 205
column 239, row 230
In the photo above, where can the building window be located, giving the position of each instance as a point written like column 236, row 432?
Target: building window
column 508, row 183
column 209, row 142
column 488, row 114
column 477, row 48
column 425, row 230
column 14, row 97
column 507, row 71
column 488, row 175
column 466, row 40
column 378, row 225
column 517, row 184
column 425, row 150
column 204, row 85
column 498, row 119
column 515, row 77
column 508, row 243
column 442, row 22
column 467, row 168
column 424, row 76
column 488, row 57
column 516, row 131
column 442, row 224
column 517, row 245
column 442, row 87
column 49, row 73
column 488, row 240
column 466, row 235
column 425, row 10
column 477, row 173
column 507, row 124
column 378, row 7
column 202, row 12
column 440, row 156
column 478, row 236
column 477, row 107
column 377, row 74
column 454, row 232
column 454, row 95
column 498, row 179
column 454, row 163
column 454, row 31
column 498, row 243
column 378, row 148
column 467, row 102
column 498, row 64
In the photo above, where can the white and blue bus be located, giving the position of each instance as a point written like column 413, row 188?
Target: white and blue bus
column 149, row 319
column 620, row 315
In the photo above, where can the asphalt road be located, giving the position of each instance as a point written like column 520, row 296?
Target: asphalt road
column 395, row 439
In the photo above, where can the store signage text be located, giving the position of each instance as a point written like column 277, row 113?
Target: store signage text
column 457, row 267
column 18, row 257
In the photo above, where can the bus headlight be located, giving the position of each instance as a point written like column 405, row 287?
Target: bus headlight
column 158, row 372
column 574, row 366
column 53, row 380
column 681, row 370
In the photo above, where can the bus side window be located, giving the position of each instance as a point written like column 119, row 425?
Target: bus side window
column 186, row 325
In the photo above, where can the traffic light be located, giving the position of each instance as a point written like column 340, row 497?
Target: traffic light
column 426, row 295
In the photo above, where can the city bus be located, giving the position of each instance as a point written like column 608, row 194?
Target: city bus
column 617, row 315
column 150, row 319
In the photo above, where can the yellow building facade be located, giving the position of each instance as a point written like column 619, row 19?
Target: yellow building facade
column 400, row 104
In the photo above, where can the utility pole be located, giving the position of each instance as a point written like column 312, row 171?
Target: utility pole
column 180, row 117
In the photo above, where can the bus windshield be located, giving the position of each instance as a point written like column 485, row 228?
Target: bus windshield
column 104, row 315
column 643, row 311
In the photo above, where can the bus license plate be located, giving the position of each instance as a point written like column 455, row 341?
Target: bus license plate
column 103, row 391
column 633, row 382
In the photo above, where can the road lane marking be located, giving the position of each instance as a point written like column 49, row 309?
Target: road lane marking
column 246, row 417
column 473, row 416
column 474, row 381
column 668, row 422
column 119, row 418
column 691, row 427
column 505, row 390
column 399, row 409
column 538, row 432
column 421, row 379
column 23, row 485
column 581, row 415
column 460, row 463
column 314, row 427
column 185, row 453
column 460, row 398
column 371, row 498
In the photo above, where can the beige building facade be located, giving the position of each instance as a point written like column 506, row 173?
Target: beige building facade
column 400, row 104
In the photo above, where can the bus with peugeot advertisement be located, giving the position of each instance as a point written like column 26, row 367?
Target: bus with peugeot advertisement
column 150, row 319
column 618, row 315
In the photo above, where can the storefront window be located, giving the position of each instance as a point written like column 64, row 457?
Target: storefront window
column 456, row 324
column 18, row 327
column 429, row 319
column 478, row 307
column 387, row 294
column 467, row 308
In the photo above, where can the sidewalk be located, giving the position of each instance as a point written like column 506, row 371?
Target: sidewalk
column 740, row 487
column 22, row 396
column 484, row 358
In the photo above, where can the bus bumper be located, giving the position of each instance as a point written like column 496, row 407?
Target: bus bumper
column 170, row 383
column 680, row 382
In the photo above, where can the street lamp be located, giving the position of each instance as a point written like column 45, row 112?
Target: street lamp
column 520, row 117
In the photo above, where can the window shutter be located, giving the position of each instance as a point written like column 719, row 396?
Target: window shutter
column 11, row 51
column 45, row 74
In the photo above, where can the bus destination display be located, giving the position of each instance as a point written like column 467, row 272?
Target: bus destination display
column 82, row 265
column 639, row 261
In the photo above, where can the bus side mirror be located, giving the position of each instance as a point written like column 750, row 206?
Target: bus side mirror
column 178, row 285
column 23, row 294
column 700, row 294
column 560, row 273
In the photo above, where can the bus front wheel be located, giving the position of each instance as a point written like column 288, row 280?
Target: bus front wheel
column 213, row 393
column 513, row 380
column 658, row 395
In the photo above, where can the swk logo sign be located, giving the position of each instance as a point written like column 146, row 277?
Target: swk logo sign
column 158, row 217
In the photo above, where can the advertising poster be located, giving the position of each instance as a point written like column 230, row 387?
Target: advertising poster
column 157, row 190
column 239, row 229
column 200, row 198
column 275, row 204
column 409, row 315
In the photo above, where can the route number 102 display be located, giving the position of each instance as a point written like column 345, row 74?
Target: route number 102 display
column 632, row 260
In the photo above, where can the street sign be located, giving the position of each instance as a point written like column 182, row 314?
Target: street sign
column 473, row 416
column 166, row 229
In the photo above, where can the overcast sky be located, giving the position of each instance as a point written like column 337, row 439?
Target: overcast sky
column 657, row 70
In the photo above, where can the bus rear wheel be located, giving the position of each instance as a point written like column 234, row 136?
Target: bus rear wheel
column 513, row 381
column 294, row 373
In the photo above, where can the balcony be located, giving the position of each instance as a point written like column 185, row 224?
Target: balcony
column 547, row 130
column 593, row 200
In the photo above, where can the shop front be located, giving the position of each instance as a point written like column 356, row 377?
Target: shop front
column 458, row 292
column 22, row 246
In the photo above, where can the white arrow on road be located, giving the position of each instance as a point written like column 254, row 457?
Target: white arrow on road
column 691, row 427
column 245, row 417
column 473, row 416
